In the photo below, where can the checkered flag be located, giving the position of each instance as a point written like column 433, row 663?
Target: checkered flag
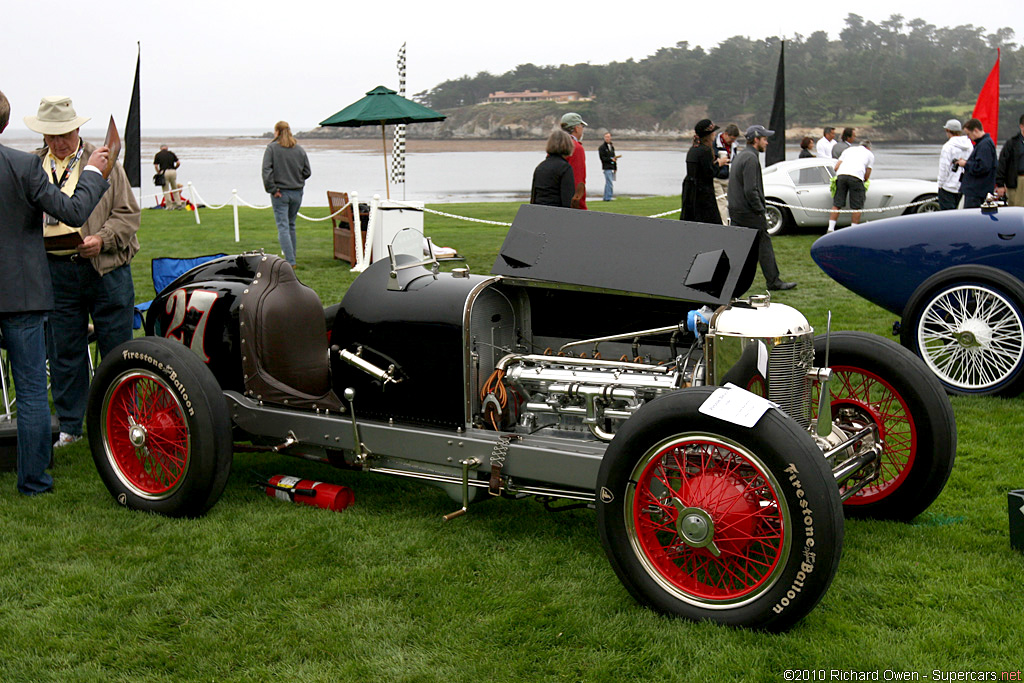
column 398, row 148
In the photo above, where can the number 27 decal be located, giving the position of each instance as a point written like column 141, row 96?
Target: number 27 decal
column 180, row 303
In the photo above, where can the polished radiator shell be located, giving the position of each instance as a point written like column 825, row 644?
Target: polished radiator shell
column 766, row 348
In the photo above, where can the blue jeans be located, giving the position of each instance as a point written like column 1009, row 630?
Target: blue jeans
column 78, row 293
column 286, row 208
column 26, row 347
column 609, row 178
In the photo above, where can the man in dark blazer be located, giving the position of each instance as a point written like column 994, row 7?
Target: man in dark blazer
column 25, row 193
column 979, row 178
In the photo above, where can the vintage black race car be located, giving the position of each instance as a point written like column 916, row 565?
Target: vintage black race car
column 575, row 372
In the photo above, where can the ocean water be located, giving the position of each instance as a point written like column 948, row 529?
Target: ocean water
column 217, row 163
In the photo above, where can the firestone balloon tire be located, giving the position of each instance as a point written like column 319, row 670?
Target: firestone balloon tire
column 159, row 428
column 875, row 380
column 967, row 324
column 707, row 520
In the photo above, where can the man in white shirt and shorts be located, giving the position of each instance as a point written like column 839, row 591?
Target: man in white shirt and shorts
column 853, row 170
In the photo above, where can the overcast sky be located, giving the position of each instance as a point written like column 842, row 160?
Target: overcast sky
column 208, row 65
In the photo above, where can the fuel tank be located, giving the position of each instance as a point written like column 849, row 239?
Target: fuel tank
column 200, row 310
column 418, row 324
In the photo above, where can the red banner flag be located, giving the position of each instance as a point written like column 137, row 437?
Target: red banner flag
column 986, row 109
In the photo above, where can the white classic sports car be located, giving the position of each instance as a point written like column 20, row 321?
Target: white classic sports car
column 798, row 194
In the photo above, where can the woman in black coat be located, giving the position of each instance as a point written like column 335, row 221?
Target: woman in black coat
column 698, row 186
column 807, row 148
column 553, row 183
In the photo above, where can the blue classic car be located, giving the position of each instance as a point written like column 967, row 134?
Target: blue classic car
column 955, row 277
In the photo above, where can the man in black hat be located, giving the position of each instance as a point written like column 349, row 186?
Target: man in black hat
column 747, row 203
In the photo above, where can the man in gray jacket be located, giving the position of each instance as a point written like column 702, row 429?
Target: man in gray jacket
column 747, row 204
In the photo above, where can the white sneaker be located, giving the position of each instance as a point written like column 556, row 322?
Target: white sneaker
column 66, row 439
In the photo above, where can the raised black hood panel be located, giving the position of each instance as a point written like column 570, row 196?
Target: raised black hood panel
column 698, row 262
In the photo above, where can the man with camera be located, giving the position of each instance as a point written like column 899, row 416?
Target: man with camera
column 956, row 147
column 166, row 165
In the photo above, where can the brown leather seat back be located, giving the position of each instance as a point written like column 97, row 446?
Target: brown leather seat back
column 284, row 340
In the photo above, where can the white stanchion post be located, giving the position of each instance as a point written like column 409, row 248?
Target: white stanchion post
column 234, row 205
column 357, row 226
column 195, row 202
column 368, row 251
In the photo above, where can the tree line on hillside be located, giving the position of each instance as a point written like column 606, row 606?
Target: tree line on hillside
column 902, row 72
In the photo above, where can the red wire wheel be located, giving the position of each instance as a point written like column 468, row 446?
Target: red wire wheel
column 705, row 520
column 146, row 437
column 874, row 399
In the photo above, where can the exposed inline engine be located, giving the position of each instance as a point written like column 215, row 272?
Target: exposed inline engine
column 763, row 347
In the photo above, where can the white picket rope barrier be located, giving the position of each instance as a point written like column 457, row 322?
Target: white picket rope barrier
column 197, row 199
column 363, row 255
column 881, row 209
column 487, row 222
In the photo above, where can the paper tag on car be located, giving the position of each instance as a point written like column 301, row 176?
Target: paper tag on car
column 738, row 406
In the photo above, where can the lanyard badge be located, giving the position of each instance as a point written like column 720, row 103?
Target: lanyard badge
column 47, row 218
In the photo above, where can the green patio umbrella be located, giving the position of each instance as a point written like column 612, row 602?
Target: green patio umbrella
column 383, row 106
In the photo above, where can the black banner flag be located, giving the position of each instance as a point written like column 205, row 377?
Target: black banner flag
column 133, row 133
column 777, row 143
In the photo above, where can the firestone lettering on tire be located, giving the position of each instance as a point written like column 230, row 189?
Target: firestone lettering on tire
column 167, row 370
column 807, row 566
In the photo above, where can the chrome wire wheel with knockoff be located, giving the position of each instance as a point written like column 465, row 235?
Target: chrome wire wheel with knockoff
column 967, row 325
column 972, row 337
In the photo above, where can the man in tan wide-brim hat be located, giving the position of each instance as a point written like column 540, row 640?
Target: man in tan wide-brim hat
column 56, row 117
column 94, row 279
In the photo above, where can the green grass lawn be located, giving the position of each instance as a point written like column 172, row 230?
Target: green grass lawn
column 260, row 590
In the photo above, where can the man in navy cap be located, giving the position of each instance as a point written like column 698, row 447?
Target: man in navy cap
column 747, row 203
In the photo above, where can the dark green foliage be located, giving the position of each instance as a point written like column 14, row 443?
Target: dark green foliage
column 892, row 68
